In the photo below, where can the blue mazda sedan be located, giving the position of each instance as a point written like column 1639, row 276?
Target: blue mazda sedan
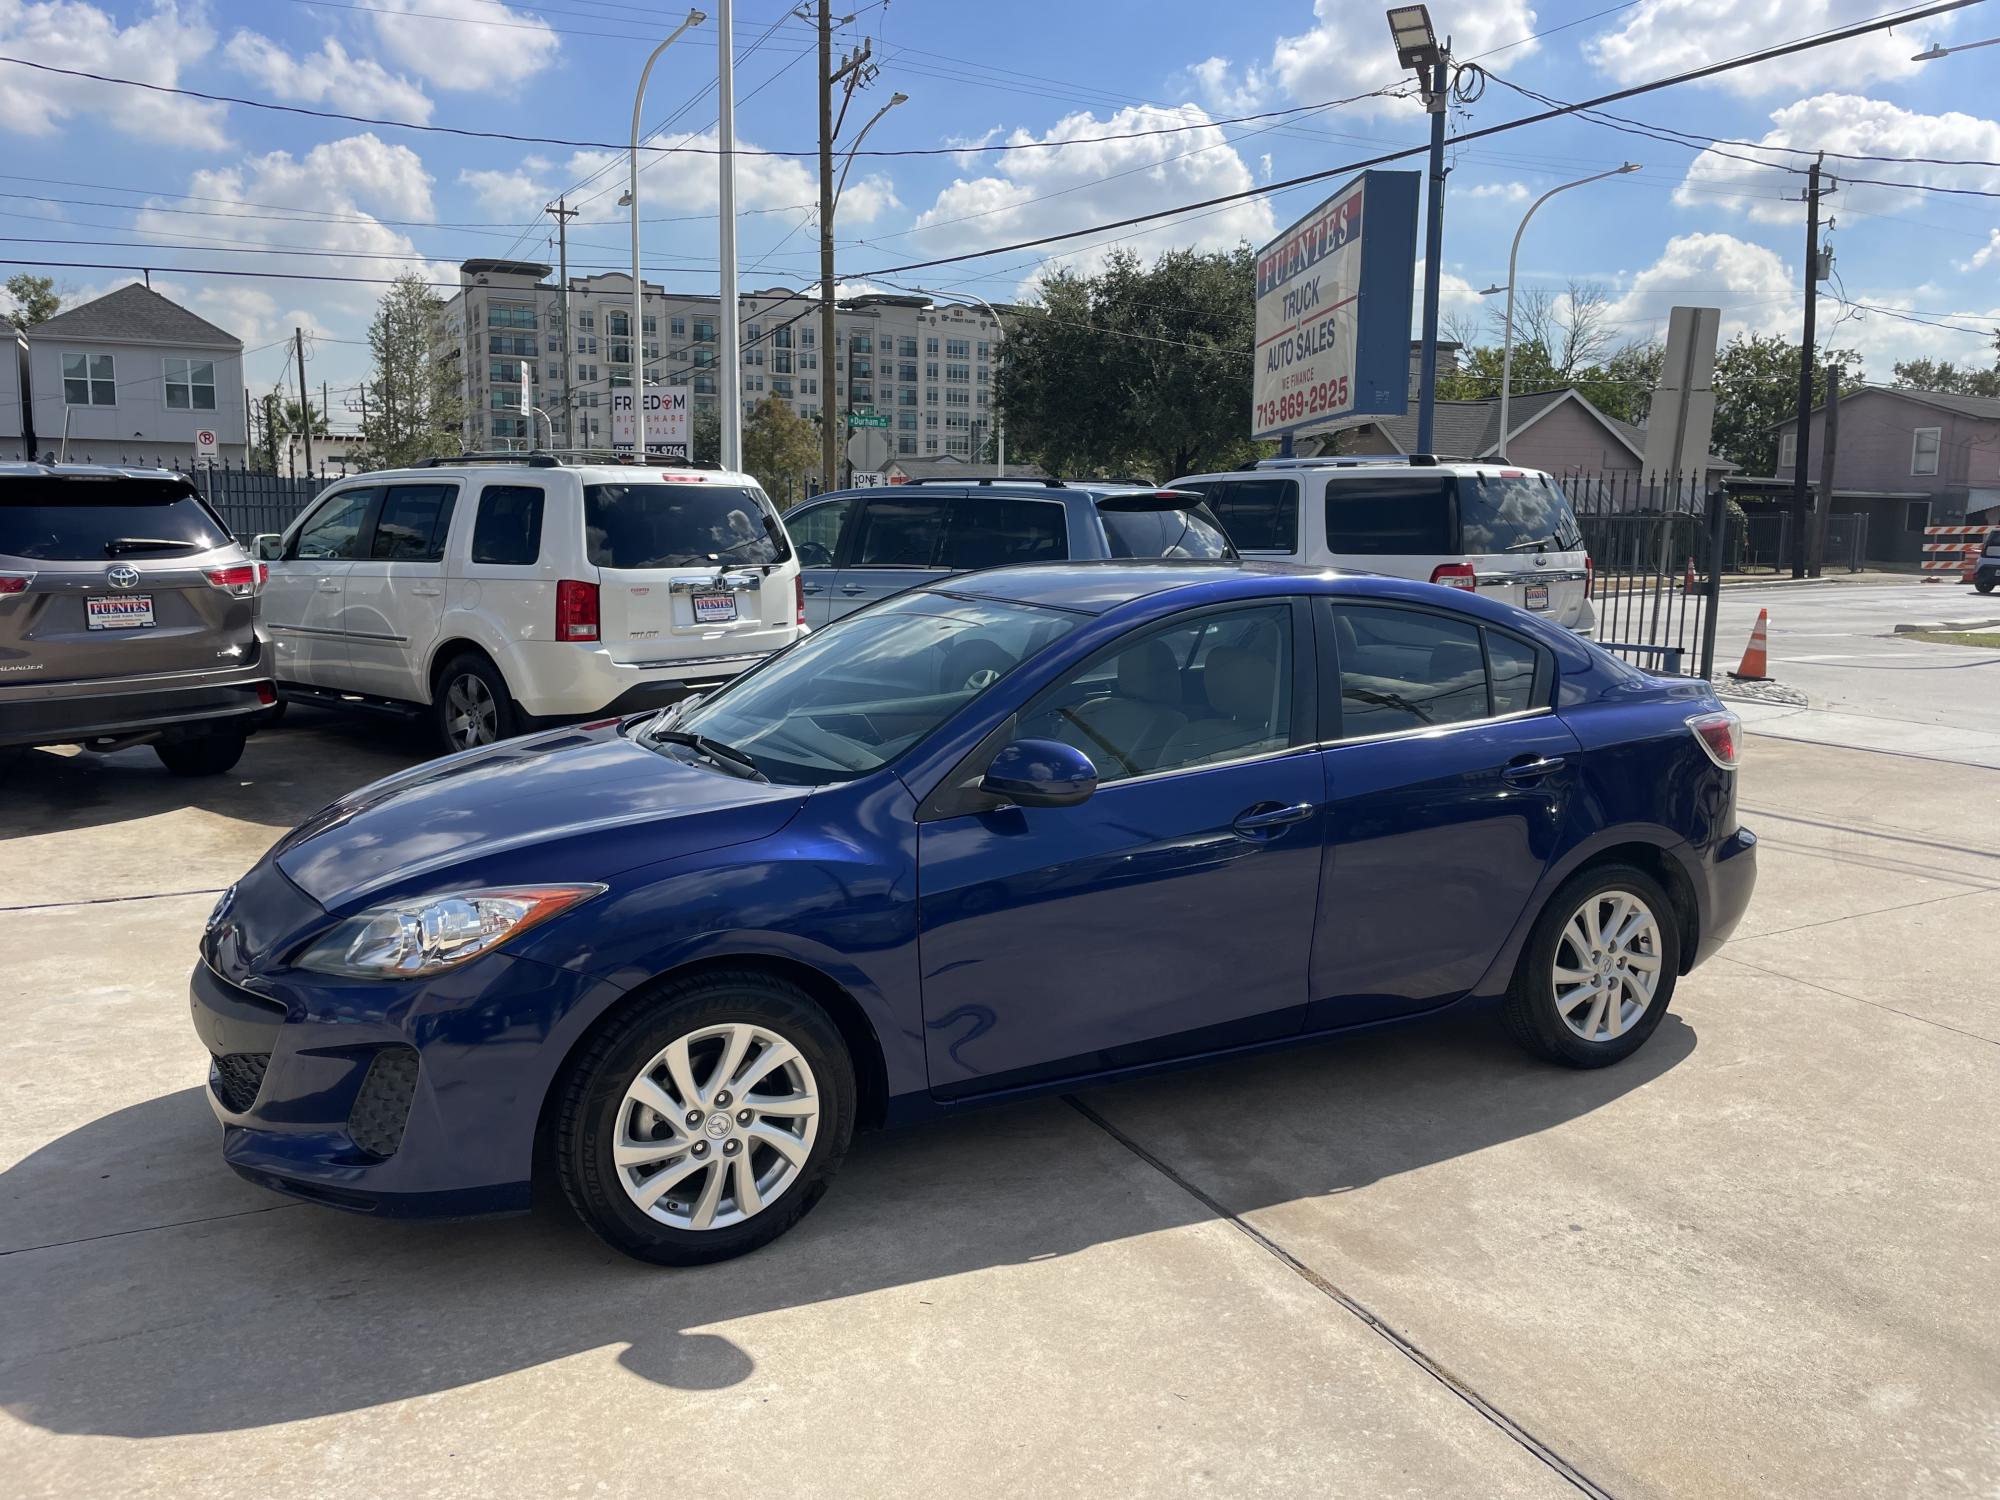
column 1013, row 832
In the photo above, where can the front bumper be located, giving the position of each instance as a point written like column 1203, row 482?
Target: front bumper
column 1730, row 871
column 416, row 1098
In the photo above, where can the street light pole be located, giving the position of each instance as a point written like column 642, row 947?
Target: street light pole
column 694, row 18
column 732, row 333
column 1513, row 258
column 1417, row 49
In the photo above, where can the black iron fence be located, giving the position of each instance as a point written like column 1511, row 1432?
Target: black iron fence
column 1658, row 550
column 250, row 502
column 1762, row 542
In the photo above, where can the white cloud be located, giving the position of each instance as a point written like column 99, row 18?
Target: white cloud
column 338, row 188
column 69, row 34
column 507, row 195
column 465, row 44
column 1986, row 254
column 1856, row 125
column 1031, row 193
column 1883, row 339
column 1504, row 192
column 1756, row 290
column 1670, row 36
column 1459, row 301
column 356, row 85
column 1348, row 50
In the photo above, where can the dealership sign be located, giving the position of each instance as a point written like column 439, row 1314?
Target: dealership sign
column 1333, row 309
column 666, row 421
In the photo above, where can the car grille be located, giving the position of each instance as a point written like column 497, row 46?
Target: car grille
column 381, row 1109
column 237, row 1078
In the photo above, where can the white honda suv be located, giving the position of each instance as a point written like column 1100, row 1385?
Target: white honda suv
column 490, row 592
column 1502, row 531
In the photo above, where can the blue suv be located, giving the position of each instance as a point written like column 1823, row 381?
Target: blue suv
column 1006, row 833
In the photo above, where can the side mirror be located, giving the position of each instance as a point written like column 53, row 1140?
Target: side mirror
column 1040, row 773
column 267, row 546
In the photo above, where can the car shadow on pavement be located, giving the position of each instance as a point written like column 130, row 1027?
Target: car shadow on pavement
column 287, row 773
column 250, row 1311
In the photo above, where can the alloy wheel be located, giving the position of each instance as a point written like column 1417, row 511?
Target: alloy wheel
column 1607, row 965
column 472, row 716
column 716, row 1127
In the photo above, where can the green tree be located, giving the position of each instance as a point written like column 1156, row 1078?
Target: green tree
column 1136, row 370
column 414, row 410
column 705, row 436
column 1757, row 387
column 780, row 448
column 32, row 299
column 1929, row 375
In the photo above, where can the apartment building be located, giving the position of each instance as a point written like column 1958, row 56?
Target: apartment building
column 929, row 367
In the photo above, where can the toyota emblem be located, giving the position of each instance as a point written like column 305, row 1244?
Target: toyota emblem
column 124, row 576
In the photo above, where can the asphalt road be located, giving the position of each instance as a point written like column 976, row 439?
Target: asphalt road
column 1865, row 687
column 1755, row 1259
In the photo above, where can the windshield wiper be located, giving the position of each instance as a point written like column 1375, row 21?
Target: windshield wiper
column 119, row 545
column 1540, row 541
column 723, row 757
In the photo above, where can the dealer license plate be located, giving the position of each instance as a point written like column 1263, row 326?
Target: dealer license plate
column 1537, row 596
column 714, row 609
column 118, row 612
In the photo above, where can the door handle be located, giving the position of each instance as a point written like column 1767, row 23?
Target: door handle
column 427, row 591
column 813, row 588
column 1263, row 817
column 852, row 589
column 1529, row 768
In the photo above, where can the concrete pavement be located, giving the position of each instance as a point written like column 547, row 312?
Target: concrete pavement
column 1755, row 1259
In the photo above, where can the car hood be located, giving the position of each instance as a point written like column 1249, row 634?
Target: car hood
column 570, row 805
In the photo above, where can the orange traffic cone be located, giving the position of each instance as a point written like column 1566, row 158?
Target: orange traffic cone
column 1755, row 656
column 1687, row 583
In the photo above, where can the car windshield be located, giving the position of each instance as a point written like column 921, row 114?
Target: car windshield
column 1514, row 512
column 677, row 525
column 1193, row 532
column 852, row 697
column 76, row 520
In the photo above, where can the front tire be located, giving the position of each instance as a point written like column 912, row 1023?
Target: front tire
column 706, row 1120
column 471, row 706
column 1984, row 585
column 1599, row 969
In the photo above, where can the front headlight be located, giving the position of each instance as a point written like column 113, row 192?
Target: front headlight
column 408, row 939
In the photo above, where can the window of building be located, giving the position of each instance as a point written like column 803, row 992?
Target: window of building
column 1924, row 445
column 617, row 323
column 957, row 398
column 781, row 387
column 960, row 374
column 906, row 445
column 649, row 324
column 931, row 397
column 190, row 385
column 88, row 380
column 930, row 445
column 809, row 387
column 931, row 347
column 586, row 320
column 781, row 337
column 862, row 344
column 906, row 348
column 957, row 420
column 704, row 330
column 1788, row 449
column 983, row 348
column 806, row 337
column 907, row 396
column 510, row 315
column 906, row 421
column 1916, row 515
column 555, row 372
column 958, row 348
column 781, row 361
column 958, row 445
column 931, row 370
column 677, row 327
column 704, row 385
column 930, row 419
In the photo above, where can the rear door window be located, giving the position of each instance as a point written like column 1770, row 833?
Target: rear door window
column 1514, row 513
column 900, row 533
column 670, row 525
column 413, row 523
column 1389, row 515
column 334, row 530
column 991, row 532
column 1260, row 515
column 74, row 520
column 1406, row 669
column 507, row 531
column 1194, row 532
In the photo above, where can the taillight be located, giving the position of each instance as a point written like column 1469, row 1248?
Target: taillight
column 15, row 583
column 799, row 593
column 263, row 574
column 1721, row 735
column 240, row 581
column 576, row 611
column 267, row 694
column 1589, row 575
column 1454, row 576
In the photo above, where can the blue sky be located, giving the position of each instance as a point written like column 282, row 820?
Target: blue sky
column 228, row 184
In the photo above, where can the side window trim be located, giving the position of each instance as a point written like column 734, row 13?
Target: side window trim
column 364, row 534
column 1331, row 727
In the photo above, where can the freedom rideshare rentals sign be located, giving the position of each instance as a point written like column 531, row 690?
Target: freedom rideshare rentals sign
column 1333, row 308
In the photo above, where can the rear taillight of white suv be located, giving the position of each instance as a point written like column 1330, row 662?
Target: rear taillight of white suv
column 576, row 611
column 1455, row 576
column 1721, row 736
column 799, row 597
column 240, row 581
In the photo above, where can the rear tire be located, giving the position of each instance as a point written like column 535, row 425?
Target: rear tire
column 207, row 754
column 1984, row 585
column 1599, row 970
column 755, row 1101
column 471, row 707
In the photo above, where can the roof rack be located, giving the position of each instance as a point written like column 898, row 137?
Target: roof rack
column 988, row 479
column 529, row 460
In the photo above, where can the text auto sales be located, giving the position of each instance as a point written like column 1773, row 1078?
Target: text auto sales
column 1332, row 231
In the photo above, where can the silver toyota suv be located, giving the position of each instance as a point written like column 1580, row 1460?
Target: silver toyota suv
column 128, row 615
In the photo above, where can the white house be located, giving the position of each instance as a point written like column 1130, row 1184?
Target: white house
column 135, row 376
column 13, row 393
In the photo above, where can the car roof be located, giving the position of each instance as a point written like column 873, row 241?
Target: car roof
column 1095, row 587
column 589, row 473
column 1006, row 489
column 31, row 470
column 1370, row 464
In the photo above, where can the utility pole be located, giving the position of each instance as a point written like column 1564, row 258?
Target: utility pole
column 1435, row 97
column 732, row 329
column 1823, row 515
column 1808, row 357
column 853, row 70
column 305, row 401
column 562, row 213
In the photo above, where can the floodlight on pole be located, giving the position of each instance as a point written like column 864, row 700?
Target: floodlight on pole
column 1416, row 40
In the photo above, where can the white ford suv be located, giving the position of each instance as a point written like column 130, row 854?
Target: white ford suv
column 1502, row 531
column 493, row 591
